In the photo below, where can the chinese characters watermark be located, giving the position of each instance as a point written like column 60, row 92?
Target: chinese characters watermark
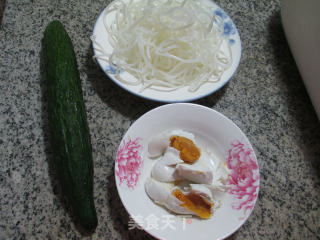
column 164, row 222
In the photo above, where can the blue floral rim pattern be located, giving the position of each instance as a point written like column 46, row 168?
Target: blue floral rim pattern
column 229, row 28
column 110, row 69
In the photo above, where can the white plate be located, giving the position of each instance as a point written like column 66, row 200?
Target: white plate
column 223, row 138
column 182, row 94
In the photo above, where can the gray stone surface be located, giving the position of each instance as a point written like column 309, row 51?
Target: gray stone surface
column 266, row 98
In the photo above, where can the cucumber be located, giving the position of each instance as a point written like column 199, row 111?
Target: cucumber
column 70, row 136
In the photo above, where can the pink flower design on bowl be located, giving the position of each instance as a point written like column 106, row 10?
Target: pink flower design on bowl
column 129, row 162
column 244, row 176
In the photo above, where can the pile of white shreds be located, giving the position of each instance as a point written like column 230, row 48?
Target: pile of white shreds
column 165, row 44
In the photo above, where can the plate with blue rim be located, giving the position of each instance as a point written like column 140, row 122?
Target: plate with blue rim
column 233, row 44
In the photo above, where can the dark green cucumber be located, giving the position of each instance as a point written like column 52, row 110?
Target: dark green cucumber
column 70, row 136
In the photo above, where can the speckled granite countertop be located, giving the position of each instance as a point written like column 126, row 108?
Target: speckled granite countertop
column 266, row 98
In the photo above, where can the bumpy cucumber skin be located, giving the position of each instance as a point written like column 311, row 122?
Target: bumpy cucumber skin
column 70, row 136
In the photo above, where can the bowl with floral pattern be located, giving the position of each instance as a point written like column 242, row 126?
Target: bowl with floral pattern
column 223, row 137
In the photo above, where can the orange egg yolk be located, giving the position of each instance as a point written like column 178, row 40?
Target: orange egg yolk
column 195, row 203
column 189, row 152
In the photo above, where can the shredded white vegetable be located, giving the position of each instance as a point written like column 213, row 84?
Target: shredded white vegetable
column 165, row 44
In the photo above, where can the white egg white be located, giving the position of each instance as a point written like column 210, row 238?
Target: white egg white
column 201, row 171
column 201, row 190
column 164, row 173
column 194, row 174
column 171, row 157
column 203, row 177
column 158, row 144
column 181, row 133
column 161, row 193
column 164, row 169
